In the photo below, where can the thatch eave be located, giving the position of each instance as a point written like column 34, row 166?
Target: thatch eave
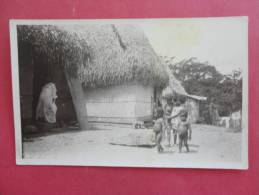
column 95, row 55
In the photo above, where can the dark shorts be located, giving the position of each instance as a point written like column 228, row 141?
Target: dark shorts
column 169, row 124
column 159, row 137
column 183, row 136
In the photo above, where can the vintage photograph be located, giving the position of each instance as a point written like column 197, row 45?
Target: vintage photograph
column 131, row 92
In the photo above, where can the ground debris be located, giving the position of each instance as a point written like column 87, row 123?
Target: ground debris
column 143, row 137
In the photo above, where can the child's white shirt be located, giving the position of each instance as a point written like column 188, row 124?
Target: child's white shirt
column 176, row 111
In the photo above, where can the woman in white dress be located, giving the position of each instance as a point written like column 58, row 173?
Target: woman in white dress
column 46, row 108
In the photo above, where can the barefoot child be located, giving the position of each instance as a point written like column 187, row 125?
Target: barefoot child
column 158, row 129
column 184, row 131
column 167, row 120
column 175, row 118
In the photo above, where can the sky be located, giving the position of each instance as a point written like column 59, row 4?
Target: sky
column 220, row 41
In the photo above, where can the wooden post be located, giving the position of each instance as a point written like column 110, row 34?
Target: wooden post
column 79, row 102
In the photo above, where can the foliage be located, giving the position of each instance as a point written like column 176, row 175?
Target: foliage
column 203, row 79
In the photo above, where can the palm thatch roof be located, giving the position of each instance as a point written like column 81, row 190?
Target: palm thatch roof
column 175, row 87
column 99, row 55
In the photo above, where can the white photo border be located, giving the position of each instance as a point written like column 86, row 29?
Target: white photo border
column 134, row 163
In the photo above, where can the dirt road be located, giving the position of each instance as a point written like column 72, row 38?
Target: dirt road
column 209, row 146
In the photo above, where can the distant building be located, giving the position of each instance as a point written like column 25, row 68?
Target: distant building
column 235, row 121
column 192, row 103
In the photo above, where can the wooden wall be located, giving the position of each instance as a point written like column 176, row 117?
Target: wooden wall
column 119, row 104
column 193, row 108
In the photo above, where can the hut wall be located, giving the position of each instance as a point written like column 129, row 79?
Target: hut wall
column 144, row 102
column 26, row 91
column 26, row 68
column 193, row 110
column 66, row 108
column 235, row 121
column 119, row 104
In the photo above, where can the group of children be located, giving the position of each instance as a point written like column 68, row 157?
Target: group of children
column 172, row 120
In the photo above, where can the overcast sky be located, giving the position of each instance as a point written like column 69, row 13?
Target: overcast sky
column 221, row 41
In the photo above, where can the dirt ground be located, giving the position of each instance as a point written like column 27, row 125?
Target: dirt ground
column 209, row 144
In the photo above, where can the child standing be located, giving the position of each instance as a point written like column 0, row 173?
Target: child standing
column 184, row 131
column 158, row 129
column 176, row 118
column 167, row 120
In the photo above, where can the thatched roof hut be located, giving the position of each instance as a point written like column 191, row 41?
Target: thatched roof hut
column 192, row 103
column 174, row 87
column 99, row 55
column 101, row 61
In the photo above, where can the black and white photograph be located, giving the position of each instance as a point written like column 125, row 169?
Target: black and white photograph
column 165, row 93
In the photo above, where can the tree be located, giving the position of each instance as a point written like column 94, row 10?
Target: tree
column 203, row 79
column 231, row 91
